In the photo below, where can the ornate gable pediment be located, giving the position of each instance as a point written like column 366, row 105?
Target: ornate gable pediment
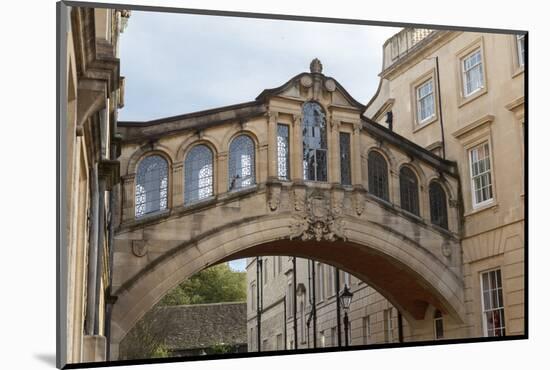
column 313, row 85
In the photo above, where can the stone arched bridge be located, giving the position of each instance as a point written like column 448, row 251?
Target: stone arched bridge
column 335, row 213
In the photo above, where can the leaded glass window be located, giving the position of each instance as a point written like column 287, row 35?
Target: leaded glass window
column 241, row 163
column 438, row 205
column 314, row 134
column 345, row 160
column 408, row 186
column 198, row 174
column 472, row 69
column 492, row 304
column 283, row 167
column 378, row 175
column 151, row 185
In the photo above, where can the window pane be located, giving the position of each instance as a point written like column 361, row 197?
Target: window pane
column 314, row 142
column 151, row 193
column 409, row 190
column 241, row 163
column 198, row 174
column 493, row 306
column 438, row 205
column 283, row 168
column 378, row 175
column 345, row 160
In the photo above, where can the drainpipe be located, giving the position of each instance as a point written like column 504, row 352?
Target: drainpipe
column 100, row 251
column 337, row 282
column 284, row 312
column 92, row 254
column 294, row 302
column 314, row 305
column 440, row 109
column 258, row 310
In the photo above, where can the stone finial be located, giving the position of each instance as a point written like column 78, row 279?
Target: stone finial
column 315, row 66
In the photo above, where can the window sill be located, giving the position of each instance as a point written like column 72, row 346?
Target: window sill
column 200, row 202
column 422, row 125
column 473, row 96
column 152, row 215
column 518, row 71
column 484, row 207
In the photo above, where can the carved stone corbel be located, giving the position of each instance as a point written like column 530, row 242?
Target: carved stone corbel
column 358, row 202
column 274, row 196
column 139, row 248
column 299, row 198
column 337, row 201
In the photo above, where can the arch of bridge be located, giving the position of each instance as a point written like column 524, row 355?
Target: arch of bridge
column 411, row 263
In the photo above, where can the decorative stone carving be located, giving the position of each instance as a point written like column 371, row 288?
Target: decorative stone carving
column 330, row 85
column 306, row 81
column 446, row 248
column 315, row 66
column 299, row 198
column 139, row 248
column 453, row 203
column 318, row 222
column 337, row 201
column 358, row 202
column 274, row 196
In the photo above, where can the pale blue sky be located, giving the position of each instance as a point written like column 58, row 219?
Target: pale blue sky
column 238, row 265
column 181, row 63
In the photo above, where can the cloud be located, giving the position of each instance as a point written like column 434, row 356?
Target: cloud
column 179, row 63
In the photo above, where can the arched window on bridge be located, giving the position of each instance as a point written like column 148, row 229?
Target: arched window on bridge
column 198, row 174
column 241, row 163
column 378, row 175
column 314, row 135
column 438, row 205
column 151, row 185
column 408, row 186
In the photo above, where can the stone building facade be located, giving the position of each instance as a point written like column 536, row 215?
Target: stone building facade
column 459, row 95
column 232, row 182
column 94, row 87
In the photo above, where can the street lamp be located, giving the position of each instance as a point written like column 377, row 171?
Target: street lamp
column 345, row 299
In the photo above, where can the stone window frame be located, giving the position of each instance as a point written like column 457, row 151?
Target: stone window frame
column 388, row 175
column 500, row 308
column 214, row 171
column 327, row 139
column 477, row 44
column 483, row 144
column 517, row 67
column 388, row 325
column 417, row 178
column 287, row 157
column 438, row 319
column 437, row 182
column 343, row 133
column 254, row 162
column 470, row 136
column 170, row 168
column 418, row 124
